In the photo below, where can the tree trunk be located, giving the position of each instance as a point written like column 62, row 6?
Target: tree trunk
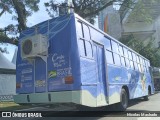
column 21, row 12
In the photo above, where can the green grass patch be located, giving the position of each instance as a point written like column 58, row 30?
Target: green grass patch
column 11, row 106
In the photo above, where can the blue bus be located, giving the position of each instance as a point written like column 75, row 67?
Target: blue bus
column 68, row 60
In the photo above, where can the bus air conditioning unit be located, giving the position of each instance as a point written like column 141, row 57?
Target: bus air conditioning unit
column 34, row 46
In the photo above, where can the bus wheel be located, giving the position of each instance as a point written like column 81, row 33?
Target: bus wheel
column 146, row 98
column 122, row 106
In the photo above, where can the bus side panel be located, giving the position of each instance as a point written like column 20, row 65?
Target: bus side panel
column 116, row 80
column 136, row 84
column 24, row 75
column 40, row 75
column 121, row 76
column 149, row 82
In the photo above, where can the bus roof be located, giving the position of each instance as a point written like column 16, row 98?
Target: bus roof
column 107, row 35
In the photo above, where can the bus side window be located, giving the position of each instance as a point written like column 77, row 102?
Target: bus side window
column 114, row 47
column 125, row 52
column 121, row 50
column 123, row 61
column 89, row 50
column 131, row 64
column 134, row 56
column 86, row 32
column 82, row 47
column 141, row 63
column 138, row 59
column 147, row 67
column 148, row 63
column 79, row 29
column 131, row 59
column 144, row 68
column 108, row 44
column 127, row 62
column 130, row 55
column 135, row 65
column 117, row 59
column 109, row 57
column 139, row 67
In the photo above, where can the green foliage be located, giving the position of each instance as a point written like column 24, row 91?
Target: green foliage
column 145, row 49
column 88, row 9
column 20, row 10
column 144, row 10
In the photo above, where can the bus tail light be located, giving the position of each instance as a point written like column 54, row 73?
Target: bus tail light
column 68, row 80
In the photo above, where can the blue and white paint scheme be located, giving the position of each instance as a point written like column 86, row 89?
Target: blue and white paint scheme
column 81, row 66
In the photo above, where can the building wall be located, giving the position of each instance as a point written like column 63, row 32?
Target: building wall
column 7, row 86
column 157, row 33
column 113, row 26
column 144, row 31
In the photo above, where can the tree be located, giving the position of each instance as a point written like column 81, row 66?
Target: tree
column 20, row 9
column 85, row 8
column 144, row 11
column 145, row 49
column 90, row 8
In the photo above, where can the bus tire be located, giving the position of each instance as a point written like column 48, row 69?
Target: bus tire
column 122, row 106
column 146, row 98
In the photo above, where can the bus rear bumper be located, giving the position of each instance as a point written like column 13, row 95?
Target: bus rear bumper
column 48, row 97
column 81, row 97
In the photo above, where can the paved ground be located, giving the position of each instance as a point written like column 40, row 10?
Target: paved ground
column 135, row 105
column 152, row 105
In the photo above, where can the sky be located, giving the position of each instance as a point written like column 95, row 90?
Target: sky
column 36, row 18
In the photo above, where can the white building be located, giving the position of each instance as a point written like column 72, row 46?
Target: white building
column 138, row 26
column 109, row 22
column 123, row 23
column 7, row 79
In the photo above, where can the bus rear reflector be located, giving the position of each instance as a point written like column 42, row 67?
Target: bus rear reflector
column 18, row 85
column 68, row 80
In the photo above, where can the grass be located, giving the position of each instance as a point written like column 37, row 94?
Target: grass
column 11, row 106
